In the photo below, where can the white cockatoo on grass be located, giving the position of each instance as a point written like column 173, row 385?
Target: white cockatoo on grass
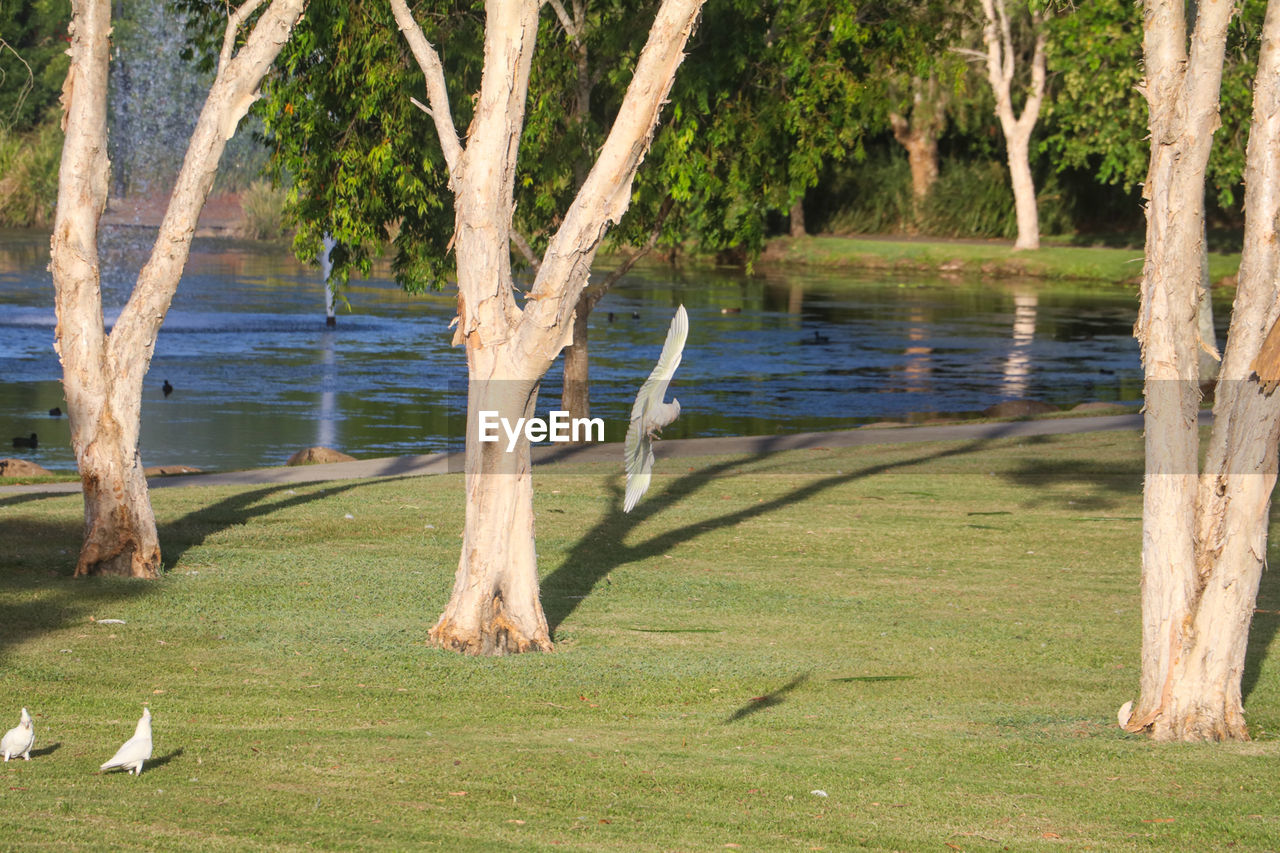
column 650, row 414
column 136, row 749
column 18, row 741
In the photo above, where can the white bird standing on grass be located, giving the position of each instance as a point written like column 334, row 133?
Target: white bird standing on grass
column 136, row 749
column 650, row 414
column 18, row 741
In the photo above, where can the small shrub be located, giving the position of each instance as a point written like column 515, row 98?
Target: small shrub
column 970, row 200
column 29, row 175
column 263, row 207
column 869, row 197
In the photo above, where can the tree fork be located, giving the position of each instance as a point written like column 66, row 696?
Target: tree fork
column 103, row 373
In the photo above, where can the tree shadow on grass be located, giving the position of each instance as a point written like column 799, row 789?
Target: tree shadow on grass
column 38, row 555
column 1262, row 632
column 602, row 548
column 181, row 535
column 1055, row 479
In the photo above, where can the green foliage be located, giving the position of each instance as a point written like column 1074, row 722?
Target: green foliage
column 33, row 60
column 767, row 97
column 29, row 175
column 971, row 198
column 873, row 197
column 360, row 157
column 1098, row 119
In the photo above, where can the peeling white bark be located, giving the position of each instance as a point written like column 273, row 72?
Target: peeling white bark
column 103, row 374
column 495, row 608
column 997, row 35
column 1204, row 537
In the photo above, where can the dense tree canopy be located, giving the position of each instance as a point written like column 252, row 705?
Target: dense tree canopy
column 776, row 97
column 767, row 97
column 1098, row 115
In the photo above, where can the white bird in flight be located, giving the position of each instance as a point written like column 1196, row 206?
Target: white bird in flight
column 18, row 741
column 650, row 414
column 136, row 749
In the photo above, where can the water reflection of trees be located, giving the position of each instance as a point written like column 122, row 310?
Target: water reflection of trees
column 1017, row 364
column 918, row 367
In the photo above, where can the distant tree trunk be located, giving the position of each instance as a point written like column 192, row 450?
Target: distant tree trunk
column 797, row 218
column 575, row 394
column 918, row 133
column 103, row 374
column 1024, row 192
column 1204, row 536
column 495, row 607
column 1001, row 67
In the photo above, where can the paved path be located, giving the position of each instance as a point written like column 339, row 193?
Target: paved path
column 443, row 463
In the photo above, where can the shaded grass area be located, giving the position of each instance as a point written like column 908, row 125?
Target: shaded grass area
column 935, row 637
column 975, row 258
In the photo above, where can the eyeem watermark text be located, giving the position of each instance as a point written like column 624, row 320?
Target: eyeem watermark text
column 560, row 428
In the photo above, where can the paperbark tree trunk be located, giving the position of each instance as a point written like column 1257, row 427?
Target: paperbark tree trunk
column 103, row 373
column 575, row 392
column 997, row 35
column 918, row 130
column 495, row 608
column 1204, row 535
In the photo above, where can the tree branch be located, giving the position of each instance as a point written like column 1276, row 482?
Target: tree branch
column 437, row 93
column 630, row 260
column 606, row 193
column 1035, row 94
column 234, row 90
column 526, row 251
column 572, row 28
column 969, row 54
column 234, row 20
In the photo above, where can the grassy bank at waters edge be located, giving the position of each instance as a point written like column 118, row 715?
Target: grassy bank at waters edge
column 996, row 259
column 905, row 647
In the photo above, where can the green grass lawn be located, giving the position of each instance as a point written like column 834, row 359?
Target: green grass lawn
column 975, row 258
column 936, row 637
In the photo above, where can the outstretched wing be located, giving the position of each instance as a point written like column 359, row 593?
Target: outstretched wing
column 649, row 412
column 655, row 387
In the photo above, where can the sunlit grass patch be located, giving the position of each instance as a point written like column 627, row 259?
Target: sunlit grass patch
column 896, row 647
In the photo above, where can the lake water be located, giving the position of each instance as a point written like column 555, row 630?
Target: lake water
column 257, row 375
